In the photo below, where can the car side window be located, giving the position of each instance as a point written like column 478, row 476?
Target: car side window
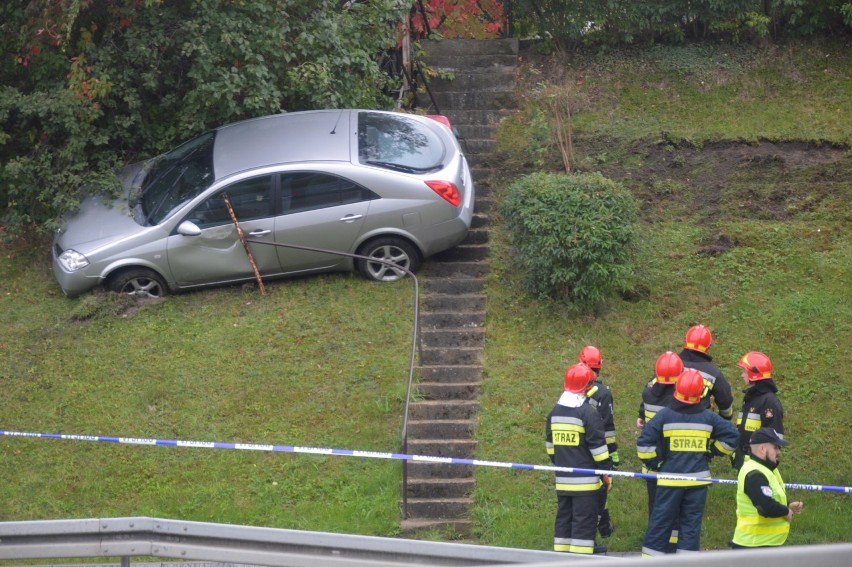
column 310, row 190
column 251, row 199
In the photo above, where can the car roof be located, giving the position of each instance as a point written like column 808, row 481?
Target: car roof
column 314, row 135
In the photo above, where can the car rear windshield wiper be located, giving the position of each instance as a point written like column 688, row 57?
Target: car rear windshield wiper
column 402, row 168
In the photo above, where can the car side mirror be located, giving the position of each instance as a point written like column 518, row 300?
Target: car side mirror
column 188, row 228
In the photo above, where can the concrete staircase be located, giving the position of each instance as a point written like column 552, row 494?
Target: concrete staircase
column 453, row 304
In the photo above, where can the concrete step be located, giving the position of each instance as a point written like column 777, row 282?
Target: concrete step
column 440, row 488
column 456, row 448
column 448, row 428
column 462, row 81
column 479, row 220
column 462, row 253
column 450, row 374
column 485, row 63
column 454, row 286
column 463, row 337
column 438, row 470
column 452, row 528
column 438, row 410
column 475, row 236
column 440, row 320
column 452, row 355
column 475, row 100
column 474, row 147
column 457, row 269
column 443, row 508
column 473, row 131
column 436, row 48
column 471, row 303
column 449, row 391
column 460, row 117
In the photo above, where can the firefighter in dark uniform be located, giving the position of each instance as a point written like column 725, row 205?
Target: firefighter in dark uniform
column 600, row 397
column 694, row 355
column 763, row 515
column 761, row 406
column 680, row 440
column 659, row 394
column 575, row 438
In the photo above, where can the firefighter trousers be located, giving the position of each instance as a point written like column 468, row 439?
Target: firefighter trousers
column 576, row 522
column 685, row 502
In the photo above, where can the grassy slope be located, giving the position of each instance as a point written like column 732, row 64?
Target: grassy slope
column 783, row 287
column 300, row 366
column 323, row 361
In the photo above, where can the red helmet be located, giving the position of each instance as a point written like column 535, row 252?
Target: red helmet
column 698, row 338
column 668, row 368
column 757, row 366
column 577, row 378
column 689, row 386
column 591, row 357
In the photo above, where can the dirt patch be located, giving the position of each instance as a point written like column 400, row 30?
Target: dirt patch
column 769, row 180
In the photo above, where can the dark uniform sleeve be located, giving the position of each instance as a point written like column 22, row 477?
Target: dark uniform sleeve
column 756, row 487
column 773, row 416
column 649, row 446
column 548, row 439
column 596, row 439
column 725, row 437
column 723, row 396
column 606, row 412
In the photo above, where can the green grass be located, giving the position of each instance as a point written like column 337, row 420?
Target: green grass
column 785, row 309
column 317, row 362
column 794, row 92
column 323, row 361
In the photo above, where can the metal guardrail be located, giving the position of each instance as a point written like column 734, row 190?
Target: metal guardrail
column 235, row 544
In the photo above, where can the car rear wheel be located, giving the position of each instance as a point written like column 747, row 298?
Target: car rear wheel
column 390, row 249
column 139, row 282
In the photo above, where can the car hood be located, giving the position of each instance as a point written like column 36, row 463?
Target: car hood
column 99, row 221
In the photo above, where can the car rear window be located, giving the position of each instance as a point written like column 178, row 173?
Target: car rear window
column 397, row 142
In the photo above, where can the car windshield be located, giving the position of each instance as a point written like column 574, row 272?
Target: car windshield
column 399, row 143
column 175, row 178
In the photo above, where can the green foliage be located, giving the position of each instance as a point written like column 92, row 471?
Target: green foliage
column 572, row 235
column 106, row 83
column 628, row 21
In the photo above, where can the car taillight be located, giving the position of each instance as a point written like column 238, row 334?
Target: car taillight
column 448, row 191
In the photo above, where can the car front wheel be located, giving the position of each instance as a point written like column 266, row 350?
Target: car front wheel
column 139, row 282
column 389, row 249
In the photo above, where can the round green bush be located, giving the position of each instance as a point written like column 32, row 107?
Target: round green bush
column 571, row 235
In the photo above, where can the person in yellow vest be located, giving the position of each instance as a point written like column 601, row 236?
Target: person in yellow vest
column 763, row 514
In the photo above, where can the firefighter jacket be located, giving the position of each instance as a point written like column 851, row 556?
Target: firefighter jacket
column 600, row 398
column 717, row 385
column 761, row 505
column 574, row 437
column 761, row 408
column 655, row 397
column 681, row 439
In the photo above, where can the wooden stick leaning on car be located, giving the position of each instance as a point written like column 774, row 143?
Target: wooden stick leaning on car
column 243, row 240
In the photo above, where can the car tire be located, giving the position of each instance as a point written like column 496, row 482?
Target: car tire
column 392, row 249
column 138, row 282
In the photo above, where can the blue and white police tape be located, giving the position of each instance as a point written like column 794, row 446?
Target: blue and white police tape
column 382, row 455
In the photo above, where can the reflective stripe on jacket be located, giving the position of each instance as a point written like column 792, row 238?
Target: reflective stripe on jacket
column 754, row 530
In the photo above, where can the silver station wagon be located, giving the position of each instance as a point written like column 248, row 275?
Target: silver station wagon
column 385, row 185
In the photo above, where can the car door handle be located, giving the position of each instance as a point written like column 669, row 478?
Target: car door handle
column 259, row 232
column 350, row 218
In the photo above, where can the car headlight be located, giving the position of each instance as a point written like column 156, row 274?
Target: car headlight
column 72, row 260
